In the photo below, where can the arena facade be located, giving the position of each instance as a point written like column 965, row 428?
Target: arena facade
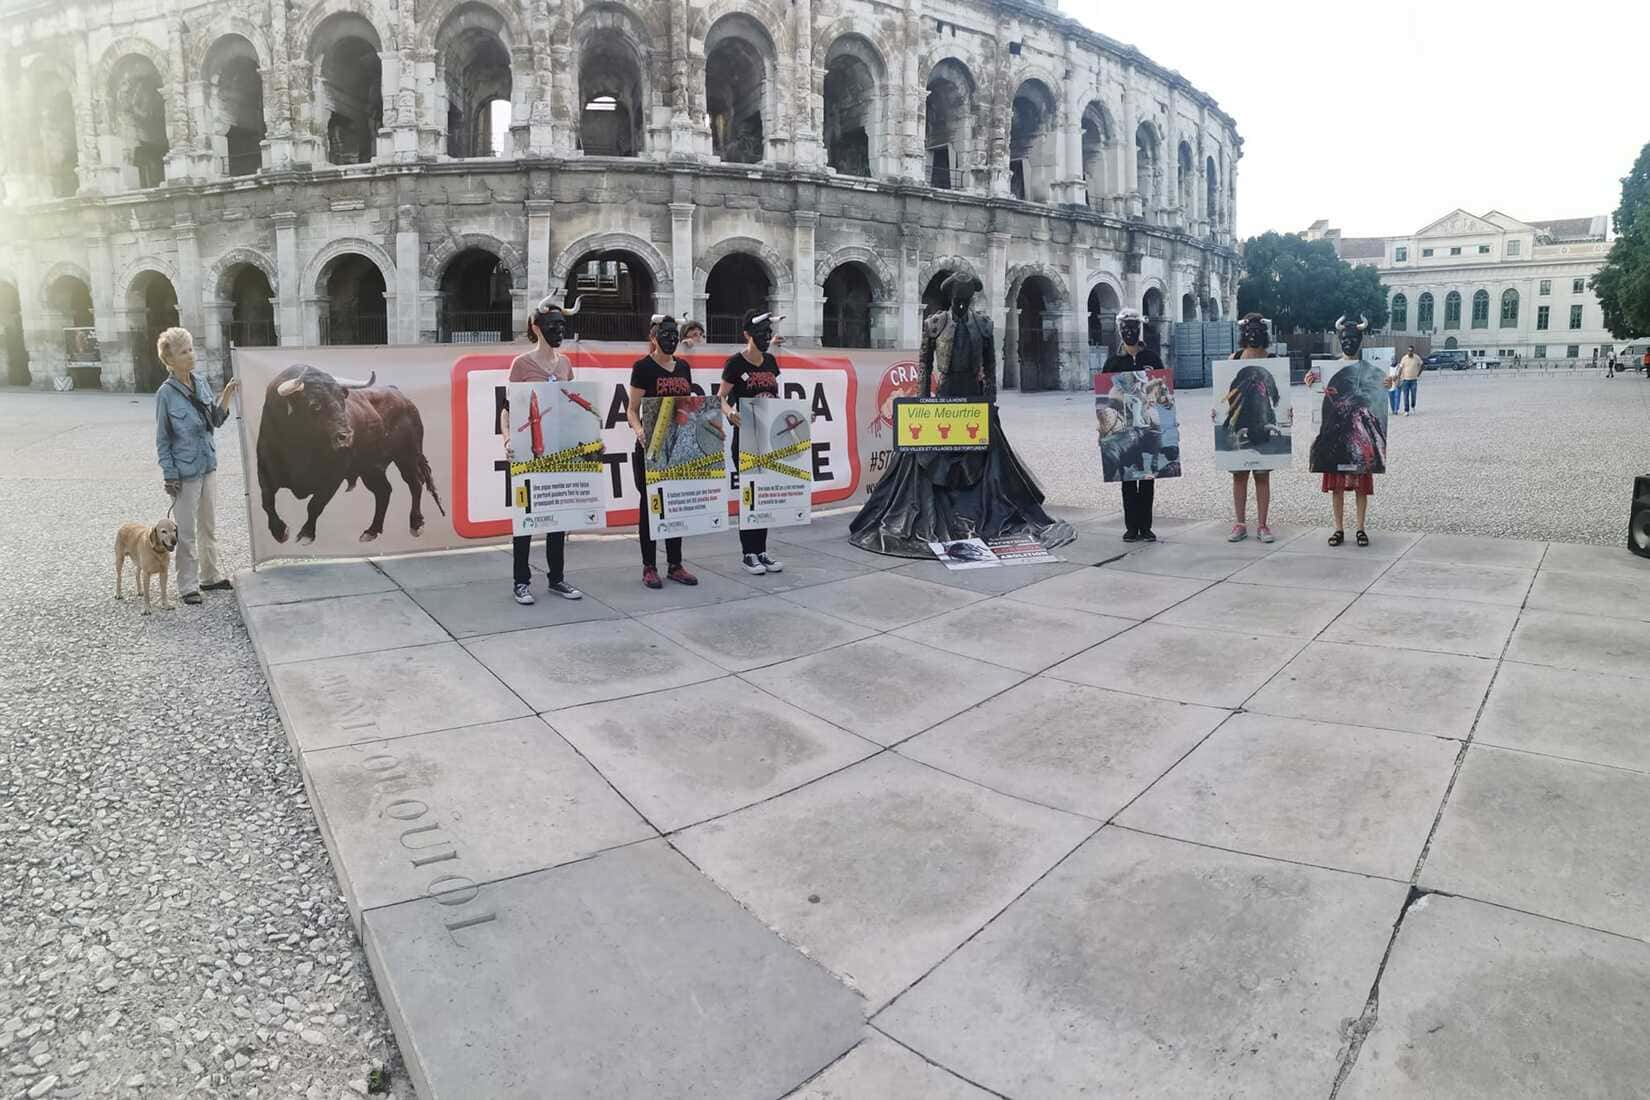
column 370, row 171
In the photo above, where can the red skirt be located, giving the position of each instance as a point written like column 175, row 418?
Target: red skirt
column 1350, row 483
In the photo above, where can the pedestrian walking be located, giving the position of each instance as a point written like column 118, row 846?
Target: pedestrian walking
column 1394, row 385
column 1409, row 369
column 1610, row 366
column 186, row 415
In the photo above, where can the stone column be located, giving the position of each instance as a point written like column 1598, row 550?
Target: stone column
column 278, row 93
column 178, row 157
column 681, row 259
column 996, row 287
column 288, row 317
column 189, row 287
column 540, row 213
column 86, row 129
column 216, row 313
column 804, row 320
column 913, row 95
column 110, row 327
column 406, row 275
column 1135, row 200
column 1074, row 373
column 564, row 81
column 909, row 334
column 805, row 144
column 1071, row 188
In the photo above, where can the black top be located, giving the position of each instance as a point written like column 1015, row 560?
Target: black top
column 654, row 381
column 1144, row 359
column 749, row 381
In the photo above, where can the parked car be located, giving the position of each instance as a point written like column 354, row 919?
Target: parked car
column 1450, row 359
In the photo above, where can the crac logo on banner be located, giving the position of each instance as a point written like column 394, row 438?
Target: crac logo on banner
column 481, row 477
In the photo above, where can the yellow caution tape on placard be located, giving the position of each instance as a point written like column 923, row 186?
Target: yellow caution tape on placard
column 770, row 461
column 698, row 469
column 571, row 460
column 667, row 412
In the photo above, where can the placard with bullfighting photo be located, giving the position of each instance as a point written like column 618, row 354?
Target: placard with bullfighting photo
column 1138, row 425
column 684, row 443
column 1253, row 414
column 555, row 454
column 1352, row 418
column 775, row 468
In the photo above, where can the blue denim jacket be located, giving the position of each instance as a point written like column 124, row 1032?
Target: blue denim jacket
column 183, row 440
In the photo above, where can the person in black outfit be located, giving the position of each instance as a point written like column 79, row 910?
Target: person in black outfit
column 657, row 374
column 751, row 373
column 1133, row 356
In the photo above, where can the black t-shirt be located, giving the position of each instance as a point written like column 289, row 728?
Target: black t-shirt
column 749, row 381
column 654, row 381
column 1145, row 359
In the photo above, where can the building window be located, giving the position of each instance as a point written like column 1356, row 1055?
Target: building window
column 1575, row 316
column 1452, row 309
column 1425, row 252
column 1546, row 287
column 1515, row 248
column 1573, row 351
column 1400, row 254
column 1509, row 309
column 1483, row 250
column 1481, row 309
column 1541, row 351
column 1578, row 286
column 1400, row 313
column 1423, row 312
column 1542, row 316
column 1455, row 250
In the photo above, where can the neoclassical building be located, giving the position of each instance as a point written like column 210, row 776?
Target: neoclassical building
column 370, row 171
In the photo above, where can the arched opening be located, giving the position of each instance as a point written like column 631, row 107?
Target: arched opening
column 1481, row 309
column 152, row 306
column 610, row 96
column 58, row 153
column 1451, row 343
column 1031, row 142
column 1146, row 167
column 1211, row 192
column 848, row 297
column 1188, row 306
column 1211, row 309
column 12, row 346
column 1153, row 307
column 476, row 307
column 1509, row 308
column 349, row 83
column 738, row 282
column 947, row 124
column 853, row 135
column 138, row 119
column 738, row 66
column 1423, row 313
column 1187, row 181
column 235, row 105
column 475, row 67
column 932, row 300
column 1038, row 338
column 251, row 308
column 1452, row 309
column 1097, row 136
column 1103, row 310
column 1398, row 313
column 353, row 310
column 616, row 296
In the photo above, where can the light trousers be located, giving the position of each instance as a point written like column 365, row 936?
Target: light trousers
column 197, row 534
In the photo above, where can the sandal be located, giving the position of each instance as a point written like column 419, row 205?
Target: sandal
column 1337, row 538
column 1363, row 539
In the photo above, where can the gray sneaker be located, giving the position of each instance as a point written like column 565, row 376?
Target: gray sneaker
column 770, row 565
column 565, row 590
column 524, row 595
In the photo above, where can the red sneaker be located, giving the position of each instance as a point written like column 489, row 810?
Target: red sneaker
column 650, row 577
column 681, row 576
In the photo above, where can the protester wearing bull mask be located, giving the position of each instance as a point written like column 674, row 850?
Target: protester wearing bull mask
column 186, row 415
column 1135, row 356
column 546, row 327
column 659, row 373
column 751, row 373
column 1253, row 343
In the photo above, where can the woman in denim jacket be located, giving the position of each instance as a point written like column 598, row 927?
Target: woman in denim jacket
column 186, row 415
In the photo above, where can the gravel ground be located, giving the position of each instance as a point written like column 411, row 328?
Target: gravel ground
column 169, row 921
column 1537, row 456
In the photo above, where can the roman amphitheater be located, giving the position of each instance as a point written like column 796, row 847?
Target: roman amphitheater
column 366, row 171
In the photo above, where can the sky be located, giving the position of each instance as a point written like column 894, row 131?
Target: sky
column 1384, row 117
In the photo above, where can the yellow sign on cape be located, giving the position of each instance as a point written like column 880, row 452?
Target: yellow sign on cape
column 941, row 424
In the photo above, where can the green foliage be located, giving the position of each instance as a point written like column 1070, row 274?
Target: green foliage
column 1623, row 283
column 1302, row 285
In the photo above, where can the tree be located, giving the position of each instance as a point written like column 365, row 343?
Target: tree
column 1623, row 283
column 1303, row 285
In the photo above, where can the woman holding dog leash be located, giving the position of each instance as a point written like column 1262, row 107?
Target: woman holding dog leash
column 186, row 415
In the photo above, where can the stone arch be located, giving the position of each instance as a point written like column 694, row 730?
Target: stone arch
column 1104, row 278
column 853, row 94
column 926, row 273
column 1034, row 135
column 221, row 26
column 507, row 21
column 58, row 271
column 849, row 26
column 951, row 128
column 141, row 266
column 450, row 246
column 642, row 249
column 773, row 19
column 318, row 263
column 217, row 279
column 612, row 57
column 303, row 35
column 885, row 282
column 123, row 48
column 1018, row 273
column 779, row 272
column 742, row 93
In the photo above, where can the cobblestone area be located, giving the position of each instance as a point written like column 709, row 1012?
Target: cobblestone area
column 169, row 921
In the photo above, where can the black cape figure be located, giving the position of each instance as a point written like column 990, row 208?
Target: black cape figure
column 943, row 497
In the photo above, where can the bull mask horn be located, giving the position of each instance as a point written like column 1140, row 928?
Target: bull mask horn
column 572, row 310
column 1340, row 323
column 352, row 384
column 1363, row 322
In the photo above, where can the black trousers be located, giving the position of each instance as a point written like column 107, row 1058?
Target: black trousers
column 650, row 549
column 1137, row 505
column 555, row 548
column 754, row 541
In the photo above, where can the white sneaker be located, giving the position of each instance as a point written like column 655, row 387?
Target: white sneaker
column 770, row 565
column 753, row 565
column 524, row 595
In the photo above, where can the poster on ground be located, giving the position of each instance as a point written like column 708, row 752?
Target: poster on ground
column 555, row 454
column 775, row 478
column 1352, row 418
column 684, row 444
column 1137, row 422
column 994, row 553
column 1253, row 414
column 1021, row 550
column 941, row 424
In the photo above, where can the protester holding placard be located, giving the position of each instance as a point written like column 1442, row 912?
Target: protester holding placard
column 748, row 374
column 659, row 373
column 1253, row 343
column 1135, row 356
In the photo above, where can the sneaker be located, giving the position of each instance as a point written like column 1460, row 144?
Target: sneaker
column 1264, row 534
column 650, row 577
column 1239, row 533
column 192, row 598
column 524, row 595
column 217, row 586
column 1131, row 535
column 681, row 576
column 770, row 565
column 565, row 590
column 1147, row 536
column 753, row 565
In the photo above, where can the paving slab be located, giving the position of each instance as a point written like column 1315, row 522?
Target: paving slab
column 1109, row 591
column 990, row 582
column 881, row 1068
column 450, row 567
column 822, row 529
column 420, row 689
column 1336, row 796
column 1021, row 636
column 1149, row 967
column 1205, row 561
column 1344, row 571
column 1164, row 527
column 905, row 862
column 1554, row 837
column 1218, row 530
column 1581, row 715
column 747, row 634
column 1437, row 625
column 308, row 581
column 486, row 801
column 1468, row 550
column 490, row 607
column 1599, row 561
column 1260, row 609
column 688, row 756
column 1479, row 1003
column 840, row 548
column 1436, row 693
column 804, row 568
column 628, row 975
column 1383, row 544
column 564, row 666
column 1587, row 643
column 884, row 688
column 1070, row 746
column 1586, row 594
column 1431, row 580
column 621, row 587
column 1215, row 668
column 881, row 601
column 340, row 625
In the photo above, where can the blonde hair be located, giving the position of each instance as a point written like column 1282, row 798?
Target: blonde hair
column 171, row 341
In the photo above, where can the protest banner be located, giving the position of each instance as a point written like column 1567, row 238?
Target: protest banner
column 684, row 443
column 555, row 454
column 1253, row 414
column 774, row 477
column 1137, row 421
